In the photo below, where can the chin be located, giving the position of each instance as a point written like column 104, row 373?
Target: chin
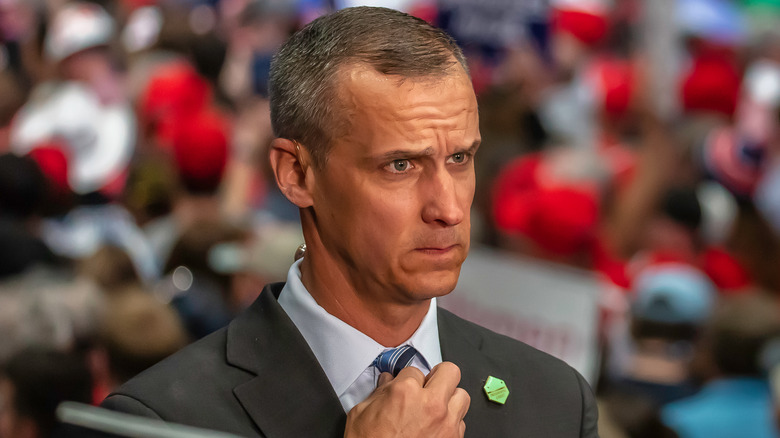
column 435, row 284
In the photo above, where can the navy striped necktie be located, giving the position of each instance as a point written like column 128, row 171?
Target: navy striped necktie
column 393, row 361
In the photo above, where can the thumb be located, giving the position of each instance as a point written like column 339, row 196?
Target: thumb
column 384, row 379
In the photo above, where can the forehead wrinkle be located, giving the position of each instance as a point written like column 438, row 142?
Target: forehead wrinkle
column 432, row 112
column 413, row 116
column 363, row 87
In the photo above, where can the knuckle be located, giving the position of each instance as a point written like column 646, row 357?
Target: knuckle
column 416, row 372
column 436, row 410
column 464, row 395
column 450, row 368
column 403, row 386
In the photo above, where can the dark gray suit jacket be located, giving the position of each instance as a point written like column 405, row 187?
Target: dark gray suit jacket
column 258, row 377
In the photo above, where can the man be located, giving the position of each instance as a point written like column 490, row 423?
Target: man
column 377, row 128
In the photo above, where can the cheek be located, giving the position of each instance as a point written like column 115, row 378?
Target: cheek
column 378, row 231
column 381, row 223
column 467, row 190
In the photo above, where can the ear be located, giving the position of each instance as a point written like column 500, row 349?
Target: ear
column 291, row 175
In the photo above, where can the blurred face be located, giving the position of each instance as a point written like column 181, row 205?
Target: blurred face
column 392, row 201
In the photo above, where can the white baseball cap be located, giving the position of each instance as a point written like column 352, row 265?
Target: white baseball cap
column 78, row 26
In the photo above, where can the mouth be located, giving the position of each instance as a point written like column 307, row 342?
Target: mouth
column 437, row 250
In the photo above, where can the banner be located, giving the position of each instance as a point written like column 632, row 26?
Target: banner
column 495, row 24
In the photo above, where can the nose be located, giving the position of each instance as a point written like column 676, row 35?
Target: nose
column 444, row 196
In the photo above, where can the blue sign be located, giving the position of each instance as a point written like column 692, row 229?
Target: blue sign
column 489, row 26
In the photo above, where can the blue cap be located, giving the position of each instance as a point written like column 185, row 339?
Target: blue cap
column 673, row 293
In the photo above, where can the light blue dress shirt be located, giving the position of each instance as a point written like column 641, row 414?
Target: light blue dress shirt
column 346, row 354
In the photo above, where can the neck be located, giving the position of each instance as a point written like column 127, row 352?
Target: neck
column 358, row 303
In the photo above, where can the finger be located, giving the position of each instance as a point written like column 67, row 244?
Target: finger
column 462, row 429
column 459, row 403
column 384, row 378
column 431, row 373
column 411, row 373
column 443, row 378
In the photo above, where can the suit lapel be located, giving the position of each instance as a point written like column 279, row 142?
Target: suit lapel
column 462, row 346
column 290, row 396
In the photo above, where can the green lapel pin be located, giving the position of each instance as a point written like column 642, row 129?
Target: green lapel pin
column 496, row 390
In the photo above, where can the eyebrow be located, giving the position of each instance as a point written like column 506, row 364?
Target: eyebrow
column 406, row 154
column 398, row 154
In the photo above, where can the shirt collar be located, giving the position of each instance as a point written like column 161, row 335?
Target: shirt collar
column 343, row 351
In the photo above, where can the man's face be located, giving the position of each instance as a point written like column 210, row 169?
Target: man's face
column 392, row 202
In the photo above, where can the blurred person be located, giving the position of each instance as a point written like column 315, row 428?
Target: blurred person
column 32, row 384
column 712, row 36
column 736, row 400
column 110, row 268
column 50, row 308
column 665, row 209
column 151, row 187
column 631, row 416
column 85, row 111
column 59, row 198
column 196, row 288
column 249, row 192
column 170, row 92
column 547, row 205
column 578, row 30
column 671, row 231
column 22, row 194
column 669, row 305
column 258, row 29
column 386, row 232
column 711, row 83
column 261, row 259
column 173, row 92
column 676, row 233
column 162, row 35
column 199, row 150
column 137, row 331
column 588, row 205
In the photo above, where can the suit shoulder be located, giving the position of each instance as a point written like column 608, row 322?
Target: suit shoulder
column 189, row 362
column 199, row 371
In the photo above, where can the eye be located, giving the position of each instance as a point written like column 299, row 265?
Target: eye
column 399, row 166
column 459, row 158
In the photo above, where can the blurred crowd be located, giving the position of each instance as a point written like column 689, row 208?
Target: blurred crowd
column 635, row 140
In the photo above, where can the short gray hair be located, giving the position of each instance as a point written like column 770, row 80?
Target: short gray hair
column 303, row 73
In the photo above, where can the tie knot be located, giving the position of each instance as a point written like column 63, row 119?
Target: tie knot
column 393, row 361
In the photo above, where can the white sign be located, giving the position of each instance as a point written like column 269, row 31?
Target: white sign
column 550, row 307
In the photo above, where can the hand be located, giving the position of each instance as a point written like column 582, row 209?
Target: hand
column 412, row 406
